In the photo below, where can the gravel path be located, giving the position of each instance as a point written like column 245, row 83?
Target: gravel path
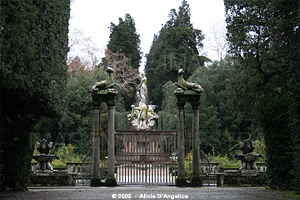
column 145, row 192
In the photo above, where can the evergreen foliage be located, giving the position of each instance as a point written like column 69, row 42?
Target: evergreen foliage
column 222, row 126
column 75, row 123
column 124, row 55
column 258, row 87
column 177, row 45
column 34, row 45
column 264, row 39
column 123, row 37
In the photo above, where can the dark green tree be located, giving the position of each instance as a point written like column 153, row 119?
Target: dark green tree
column 264, row 40
column 124, row 53
column 75, row 124
column 123, row 37
column 221, row 125
column 177, row 45
column 34, row 45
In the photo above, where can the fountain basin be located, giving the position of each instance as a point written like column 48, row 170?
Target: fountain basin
column 44, row 162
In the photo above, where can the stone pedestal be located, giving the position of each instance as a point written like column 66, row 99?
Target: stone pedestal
column 220, row 179
column 244, row 178
column 52, row 178
column 109, row 99
column 44, row 162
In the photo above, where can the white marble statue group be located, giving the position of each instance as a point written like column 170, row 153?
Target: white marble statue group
column 142, row 116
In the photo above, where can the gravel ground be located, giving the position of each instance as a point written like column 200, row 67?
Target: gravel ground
column 146, row 192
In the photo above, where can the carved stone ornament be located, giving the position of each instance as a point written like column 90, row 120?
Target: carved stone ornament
column 184, row 85
column 247, row 158
column 107, row 84
column 142, row 116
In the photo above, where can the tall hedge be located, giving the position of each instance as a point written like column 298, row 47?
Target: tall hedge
column 34, row 45
column 264, row 40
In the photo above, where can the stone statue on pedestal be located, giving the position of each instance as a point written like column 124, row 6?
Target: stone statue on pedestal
column 184, row 85
column 45, row 158
column 247, row 158
column 107, row 84
column 142, row 116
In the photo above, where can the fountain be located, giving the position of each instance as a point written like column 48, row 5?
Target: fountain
column 43, row 172
column 142, row 149
column 142, row 115
column 142, row 119
column 143, row 154
column 248, row 174
column 248, row 158
column 45, row 159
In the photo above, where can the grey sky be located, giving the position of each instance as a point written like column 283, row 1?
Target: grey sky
column 93, row 17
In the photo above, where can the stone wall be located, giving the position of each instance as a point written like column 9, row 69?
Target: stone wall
column 237, row 178
column 52, row 179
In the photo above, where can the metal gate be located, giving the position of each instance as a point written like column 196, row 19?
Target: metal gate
column 146, row 157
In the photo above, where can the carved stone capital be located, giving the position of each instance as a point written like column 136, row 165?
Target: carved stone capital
column 181, row 101
column 195, row 105
column 108, row 98
column 193, row 99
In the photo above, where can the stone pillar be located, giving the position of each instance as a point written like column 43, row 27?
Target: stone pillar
column 109, row 98
column 196, row 180
column 96, row 137
column 181, row 181
column 194, row 99
column 111, row 139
